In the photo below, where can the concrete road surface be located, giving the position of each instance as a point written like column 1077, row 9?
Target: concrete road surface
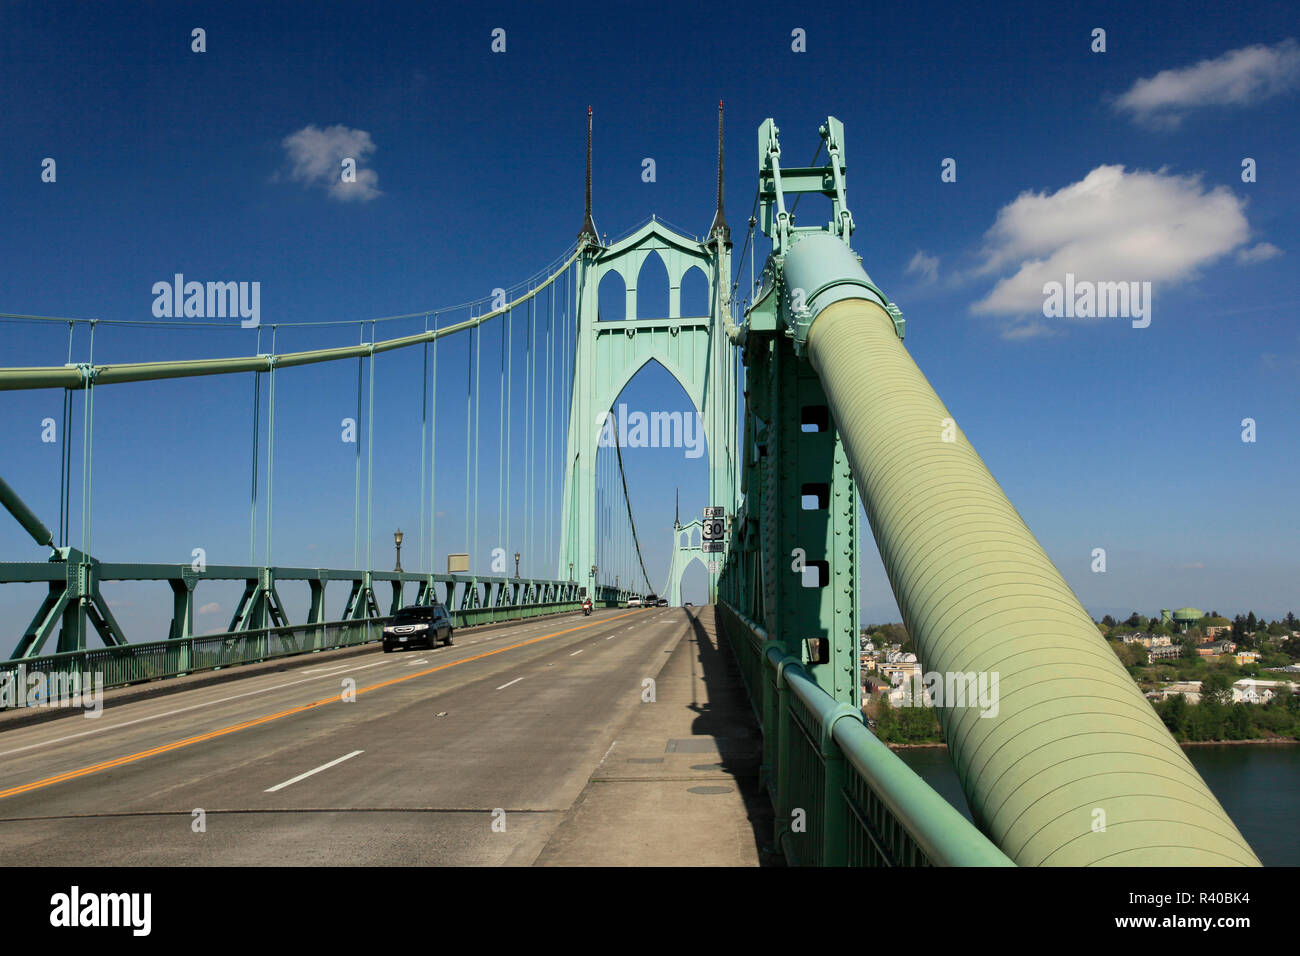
column 466, row 755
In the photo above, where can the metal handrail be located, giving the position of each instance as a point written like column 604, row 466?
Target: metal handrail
column 906, row 823
column 135, row 663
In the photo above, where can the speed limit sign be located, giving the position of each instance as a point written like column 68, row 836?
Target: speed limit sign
column 714, row 530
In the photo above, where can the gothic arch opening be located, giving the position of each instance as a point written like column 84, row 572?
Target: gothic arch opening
column 611, row 297
column 695, row 583
column 695, row 293
column 652, row 288
column 665, row 460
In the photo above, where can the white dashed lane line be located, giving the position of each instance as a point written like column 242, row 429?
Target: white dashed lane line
column 303, row 776
column 515, row 681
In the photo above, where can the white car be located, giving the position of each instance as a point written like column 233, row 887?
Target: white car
column 634, row 602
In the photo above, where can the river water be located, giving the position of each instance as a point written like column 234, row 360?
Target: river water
column 1258, row 784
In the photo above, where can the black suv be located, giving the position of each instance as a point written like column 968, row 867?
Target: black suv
column 425, row 625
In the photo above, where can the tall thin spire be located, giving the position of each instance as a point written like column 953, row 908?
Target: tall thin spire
column 677, row 510
column 720, row 227
column 588, row 231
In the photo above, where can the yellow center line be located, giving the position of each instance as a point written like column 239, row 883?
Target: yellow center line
column 199, row 738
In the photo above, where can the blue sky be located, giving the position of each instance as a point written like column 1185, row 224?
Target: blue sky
column 1125, row 164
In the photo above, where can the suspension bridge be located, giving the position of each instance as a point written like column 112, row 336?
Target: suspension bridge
column 808, row 405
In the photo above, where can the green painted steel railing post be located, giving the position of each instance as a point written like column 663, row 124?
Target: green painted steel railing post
column 784, row 729
column 835, row 811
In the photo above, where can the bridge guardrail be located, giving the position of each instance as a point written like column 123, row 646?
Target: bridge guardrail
column 136, row 663
column 861, row 805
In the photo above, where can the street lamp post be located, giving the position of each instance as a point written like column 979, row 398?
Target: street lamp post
column 516, row 564
column 397, row 539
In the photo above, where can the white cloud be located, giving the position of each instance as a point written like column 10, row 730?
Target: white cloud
column 1027, row 330
column 211, row 608
column 1243, row 76
column 1259, row 253
column 1111, row 226
column 926, row 265
column 316, row 157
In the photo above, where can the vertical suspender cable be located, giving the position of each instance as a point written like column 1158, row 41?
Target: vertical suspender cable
column 433, row 451
column 563, row 435
column 270, row 448
column 501, row 435
column 571, row 531
column 65, row 453
column 356, row 503
column 257, row 431
column 469, row 395
column 478, row 387
column 550, row 349
column 87, row 426
column 370, row 455
column 90, row 461
column 528, row 454
column 424, row 428
column 510, row 340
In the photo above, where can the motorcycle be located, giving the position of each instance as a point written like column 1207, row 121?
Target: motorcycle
column 586, row 610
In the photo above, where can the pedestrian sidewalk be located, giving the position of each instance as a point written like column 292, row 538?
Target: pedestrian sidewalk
column 679, row 785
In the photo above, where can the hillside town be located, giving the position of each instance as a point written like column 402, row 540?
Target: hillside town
column 1209, row 678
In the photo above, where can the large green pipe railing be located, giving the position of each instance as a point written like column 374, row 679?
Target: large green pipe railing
column 842, row 797
column 75, row 377
column 1075, row 768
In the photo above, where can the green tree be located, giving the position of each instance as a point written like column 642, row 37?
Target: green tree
column 1216, row 685
column 1238, row 725
column 1205, row 720
column 886, row 720
column 1173, row 711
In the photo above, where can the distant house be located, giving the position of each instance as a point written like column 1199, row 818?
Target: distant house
column 899, row 667
column 1250, row 690
column 1165, row 652
column 1190, row 689
column 1247, row 657
column 874, row 685
column 1146, row 640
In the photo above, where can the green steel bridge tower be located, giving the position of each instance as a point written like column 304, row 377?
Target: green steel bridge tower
column 694, row 350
